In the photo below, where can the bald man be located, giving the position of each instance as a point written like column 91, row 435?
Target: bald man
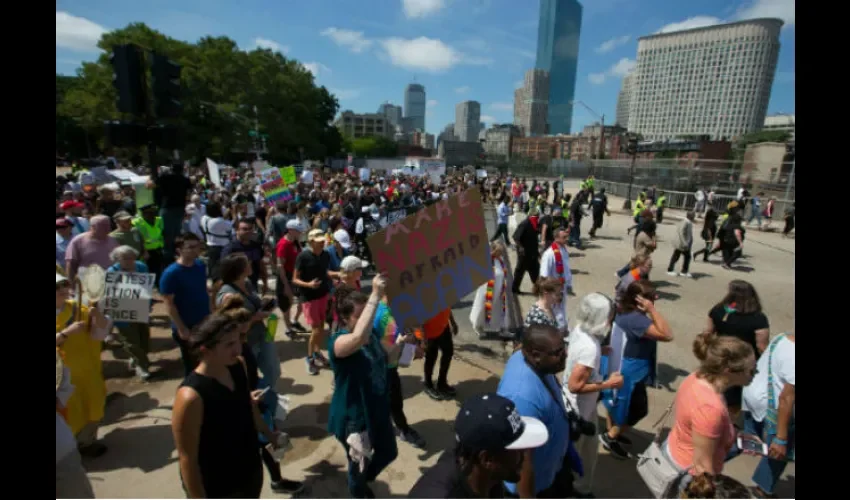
column 91, row 247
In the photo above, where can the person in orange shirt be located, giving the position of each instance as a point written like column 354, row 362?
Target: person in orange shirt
column 436, row 336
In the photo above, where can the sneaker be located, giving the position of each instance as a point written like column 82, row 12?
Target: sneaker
column 287, row 486
column 672, row 273
column 447, row 390
column 321, row 360
column 412, row 437
column 687, row 275
column 292, row 334
column 624, row 440
column 143, row 374
column 434, row 394
column 298, row 327
column 312, row 369
column 613, row 447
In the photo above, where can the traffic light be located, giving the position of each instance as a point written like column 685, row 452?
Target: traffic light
column 631, row 147
column 165, row 76
column 128, row 79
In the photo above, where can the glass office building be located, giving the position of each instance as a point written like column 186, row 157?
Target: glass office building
column 414, row 107
column 557, row 53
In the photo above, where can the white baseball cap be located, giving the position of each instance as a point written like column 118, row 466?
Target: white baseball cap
column 352, row 263
column 342, row 237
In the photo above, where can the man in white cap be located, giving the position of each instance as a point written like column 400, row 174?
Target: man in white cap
column 492, row 444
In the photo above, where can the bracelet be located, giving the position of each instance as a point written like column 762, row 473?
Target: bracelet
column 781, row 442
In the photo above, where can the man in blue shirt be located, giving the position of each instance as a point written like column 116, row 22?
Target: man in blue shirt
column 184, row 289
column 503, row 211
column 529, row 382
column 64, row 228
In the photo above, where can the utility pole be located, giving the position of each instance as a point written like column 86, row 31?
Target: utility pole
column 631, row 149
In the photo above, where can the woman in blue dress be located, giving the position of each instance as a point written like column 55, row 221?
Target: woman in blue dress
column 360, row 408
column 638, row 327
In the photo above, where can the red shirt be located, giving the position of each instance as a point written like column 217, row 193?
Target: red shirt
column 287, row 251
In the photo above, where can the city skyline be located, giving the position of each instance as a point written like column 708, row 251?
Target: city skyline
column 366, row 53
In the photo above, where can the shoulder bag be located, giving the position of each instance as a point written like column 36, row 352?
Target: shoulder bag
column 655, row 467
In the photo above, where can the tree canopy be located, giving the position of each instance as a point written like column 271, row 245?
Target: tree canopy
column 371, row 146
column 222, row 85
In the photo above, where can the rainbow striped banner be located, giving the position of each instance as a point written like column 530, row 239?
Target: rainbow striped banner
column 272, row 186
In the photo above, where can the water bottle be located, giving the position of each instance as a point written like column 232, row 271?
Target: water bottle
column 271, row 327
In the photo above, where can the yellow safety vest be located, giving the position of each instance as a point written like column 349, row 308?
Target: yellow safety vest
column 638, row 208
column 151, row 234
column 660, row 202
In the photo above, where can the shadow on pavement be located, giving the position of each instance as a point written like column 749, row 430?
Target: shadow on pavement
column 439, row 436
column 628, row 483
column 699, row 276
column 743, row 269
column 665, row 284
column 119, row 405
column 668, row 375
column 308, row 421
column 326, row 480
column 288, row 387
column 125, row 452
column 289, row 349
column 613, row 238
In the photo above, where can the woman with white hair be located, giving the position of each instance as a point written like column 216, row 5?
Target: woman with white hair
column 134, row 337
column 582, row 377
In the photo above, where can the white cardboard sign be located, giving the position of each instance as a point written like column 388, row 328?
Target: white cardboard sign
column 128, row 296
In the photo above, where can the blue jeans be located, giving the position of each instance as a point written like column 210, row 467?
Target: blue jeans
column 267, row 362
column 768, row 471
column 575, row 233
column 755, row 214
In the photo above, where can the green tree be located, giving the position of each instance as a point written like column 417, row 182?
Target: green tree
column 222, row 85
column 71, row 138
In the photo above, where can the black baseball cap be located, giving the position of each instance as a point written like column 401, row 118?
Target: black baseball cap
column 489, row 422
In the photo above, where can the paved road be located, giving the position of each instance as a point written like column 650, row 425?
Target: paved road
column 141, row 459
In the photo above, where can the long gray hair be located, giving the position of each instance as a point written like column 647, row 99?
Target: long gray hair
column 594, row 314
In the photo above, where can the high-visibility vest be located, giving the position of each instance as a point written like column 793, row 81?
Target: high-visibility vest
column 151, row 234
column 660, row 202
column 638, row 208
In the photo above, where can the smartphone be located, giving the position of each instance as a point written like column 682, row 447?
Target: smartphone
column 264, row 391
column 748, row 443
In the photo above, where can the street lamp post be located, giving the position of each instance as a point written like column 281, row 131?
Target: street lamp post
column 601, row 118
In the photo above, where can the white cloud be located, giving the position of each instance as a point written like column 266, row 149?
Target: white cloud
column 502, row 106
column 462, row 90
column 617, row 70
column 316, row 68
column 596, row 78
column 353, row 40
column 782, row 9
column 609, row 45
column 690, row 23
column 421, row 8
column 427, row 54
column 488, row 119
column 345, row 93
column 431, row 103
column 77, row 33
column 265, row 43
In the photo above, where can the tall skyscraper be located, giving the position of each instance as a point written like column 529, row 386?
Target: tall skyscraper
column 414, row 107
column 713, row 81
column 623, row 99
column 392, row 112
column 531, row 103
column 557, row 52
column 467, row 121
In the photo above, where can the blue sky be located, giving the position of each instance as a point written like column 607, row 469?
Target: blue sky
column 366, row 51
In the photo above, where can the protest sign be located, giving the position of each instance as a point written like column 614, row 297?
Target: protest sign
column 365, row 173
column 481, row 174
column 272, row 185
column 128, row 296
column 434, row 257
column 307, row 177
column 288, row 175
column 144, row 196
column 213, row 171
column 259, row 165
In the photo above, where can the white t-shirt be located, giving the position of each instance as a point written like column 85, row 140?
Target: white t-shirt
column 219, row 231
column 783, row 369
column 583, row 350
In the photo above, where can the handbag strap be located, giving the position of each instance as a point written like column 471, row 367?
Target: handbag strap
column 771, row 394
column 662, row 422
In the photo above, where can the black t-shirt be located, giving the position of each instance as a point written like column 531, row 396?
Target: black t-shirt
column 599, row 204
column 109, row 208
column 445, row 480
column 552, row 223
column 526, row 236
column 738, row 325
column 311, row 266
column 171, row 191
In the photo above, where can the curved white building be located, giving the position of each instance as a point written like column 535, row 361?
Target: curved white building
column 713, row 81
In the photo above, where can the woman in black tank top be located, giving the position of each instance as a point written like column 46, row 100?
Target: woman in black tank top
column 215, row 418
